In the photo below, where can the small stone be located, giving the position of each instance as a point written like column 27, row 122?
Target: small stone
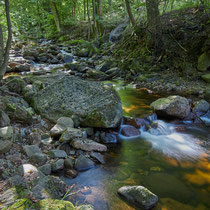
column 83, row 163
column 5, row 146
column 39, row 158
column 4, row 119
column 88, row 145
column 98, row 157
column 45, row 169
column 139, row 196
column 56, row 153
column 72, row 173
column 62, row 124
column 130, row 131
column 46, row 139
column 68, row 163
column 6, row 133
column 70, row 134
column 18, row 180
column 58, row 165
column 30, row 150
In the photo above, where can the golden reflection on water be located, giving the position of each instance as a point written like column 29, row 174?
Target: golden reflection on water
column 199, row 177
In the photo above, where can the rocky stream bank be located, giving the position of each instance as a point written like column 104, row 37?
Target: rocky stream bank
column 55, row 116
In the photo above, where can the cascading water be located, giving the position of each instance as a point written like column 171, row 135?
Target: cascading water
column 166, row 139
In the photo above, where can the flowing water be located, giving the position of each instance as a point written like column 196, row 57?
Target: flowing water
column 171, row 160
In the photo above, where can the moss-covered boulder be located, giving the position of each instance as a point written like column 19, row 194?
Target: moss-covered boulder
column 49, row 204
column 206, row 77
column 171, row 107
column 204, row 62
column 94, row 104
column 17, row 108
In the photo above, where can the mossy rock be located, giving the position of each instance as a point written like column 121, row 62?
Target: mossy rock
column 206, row 77
column 49, row 204
column 204, row 62
column 21, row 204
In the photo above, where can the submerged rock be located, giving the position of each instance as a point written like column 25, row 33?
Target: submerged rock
column 172, row 106
column 138, row 196
column 95, row 104
column 83, row 163
column 130, row 131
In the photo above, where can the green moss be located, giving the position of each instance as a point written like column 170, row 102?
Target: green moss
column 49, row 204
column 21, row 204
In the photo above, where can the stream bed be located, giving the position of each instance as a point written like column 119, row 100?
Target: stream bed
column 173, row 162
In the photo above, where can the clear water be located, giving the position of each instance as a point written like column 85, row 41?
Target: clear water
column 171, row 161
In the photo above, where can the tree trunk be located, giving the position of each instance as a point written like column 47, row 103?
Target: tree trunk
column 130, row 13
column 4, row 63
column 95, row 30
column 154, row 25
column 89, row 21
column 84, row 4
column 56, row 15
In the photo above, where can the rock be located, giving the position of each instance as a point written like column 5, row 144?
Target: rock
column 68, row 163
column 136, row 122
column 203, row 62
column 200, row 107
column 62, row 124
column 95, row 104
column 139, row 196
column 18, row 180
column 98, row 157
column 96, row 74
column 71, row 133
column 83, row 163
column 49, row 204
column 6, row 133
column 71, row 173
column 109, row 138
column 172, row 107
column 30, row 53
column 88, row 145
column 206, row 78
column 22, row 68
column 58, row 165
column 4, row 119
column 49, row 187
column 68, row 59
column 85, row 207
column 15, row 84
column 206, row 118
column 34, row 137
column 130, row 131
column 5, row 146
column 31, row 150
column 45, row 169
column 17, row 109
column 6, row 139
column 46, row 139
column 56, row 153
column 39, row 158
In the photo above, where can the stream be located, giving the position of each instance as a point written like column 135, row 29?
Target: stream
column 172, row 161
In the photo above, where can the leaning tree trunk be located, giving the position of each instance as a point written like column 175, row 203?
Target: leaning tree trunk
column 4, row 55
column 56, row 16
column 130, row 13
column 154, row 25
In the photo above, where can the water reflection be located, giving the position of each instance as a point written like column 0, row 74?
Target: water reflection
column 173, row 165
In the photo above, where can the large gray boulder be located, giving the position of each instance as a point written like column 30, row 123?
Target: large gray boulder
column 138, row 196
column 93, row 103
column 172, row 106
